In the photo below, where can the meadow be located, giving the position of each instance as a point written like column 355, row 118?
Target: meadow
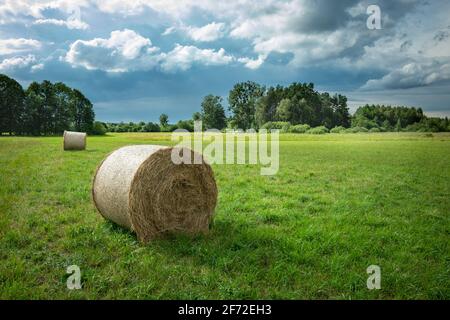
column 338, row 204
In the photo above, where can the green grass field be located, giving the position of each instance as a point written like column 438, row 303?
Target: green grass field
column 338, row 204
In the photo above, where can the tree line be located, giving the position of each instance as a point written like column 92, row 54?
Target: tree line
column 50, row 108
column 252, row 105
column 388, row 118
column 44, row 109
column 297, row 108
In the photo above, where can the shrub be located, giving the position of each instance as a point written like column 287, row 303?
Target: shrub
column 374, row 130
column 300, row 128
column 348, row 130
column 231, row 124
column 362, row 129
column 151, row 127
column 356, row 130
column 99, row 128
column 318, row 130
column 286, row 128
column 280, row 125
column 169, row 128
column 413, row 127
column 186, row 124
column 172, row 127
column 339, row 129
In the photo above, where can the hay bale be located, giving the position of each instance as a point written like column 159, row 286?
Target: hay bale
column 140, row 188
column 74, row 140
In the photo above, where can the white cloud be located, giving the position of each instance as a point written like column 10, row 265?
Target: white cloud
column 70, row 23
column 183, row 57
column 123, row 51
column 253, row 63
column 415, row 74
column 15, row 10
column 416, row 55
column 171, row 8
column 168, row 31
column 19, row 45
column 209, row 32
column 37, row 67
column 17, row 62
column 12, row 11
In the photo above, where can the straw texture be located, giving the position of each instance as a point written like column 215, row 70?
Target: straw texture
column 74, row 140
column 140, row 188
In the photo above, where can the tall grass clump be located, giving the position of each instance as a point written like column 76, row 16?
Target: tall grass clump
column 356, row 130
column 318, row 130
column 300, row 128
column 338, row 129
column 284, row 127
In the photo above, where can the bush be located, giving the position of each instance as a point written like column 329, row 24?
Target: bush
column 374, row 130
column 151, row 127
column 318, row 130
column 231, row 124
column 99, row 128
column 169, row 128
column 300, row 128
column 186, row 125
column 361, row 129
column 280, row 125
column 286, row 128
column 348, row 130
column 339, row 129
column 356, row 130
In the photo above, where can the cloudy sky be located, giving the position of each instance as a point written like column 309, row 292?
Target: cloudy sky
column 137, row 59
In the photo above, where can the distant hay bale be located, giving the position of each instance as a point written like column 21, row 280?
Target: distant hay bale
column 74, row 140
column 141, row 189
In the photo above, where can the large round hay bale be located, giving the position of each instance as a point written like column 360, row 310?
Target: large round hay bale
column 140, row 188
column 74, row 140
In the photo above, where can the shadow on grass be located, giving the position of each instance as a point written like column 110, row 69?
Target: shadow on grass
column 82, row 151
column 230, row 246
column 115, row 228
column 232, row 250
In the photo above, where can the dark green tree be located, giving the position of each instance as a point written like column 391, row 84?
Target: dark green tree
column 33, row 117
column 36, row 110
column 266, row 106
column 83, row 112
column 99, row 128
column 62, row 113
column 163, row 120
column 186, row 125
column 213, row 114
column 284, row 110
column 53, row 108
column 11, row 105
column 197, row 116
column 152, row 127
column 242, row 101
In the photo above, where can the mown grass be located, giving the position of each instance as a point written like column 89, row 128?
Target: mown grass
column 338, row 204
